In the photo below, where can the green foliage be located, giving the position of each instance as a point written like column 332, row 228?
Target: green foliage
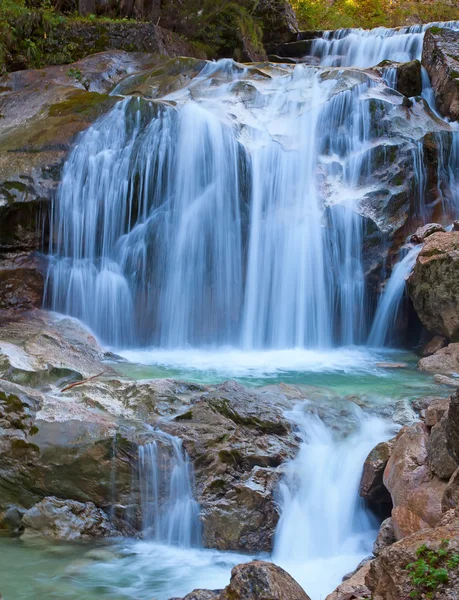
column 431, row 569
column 322, row 14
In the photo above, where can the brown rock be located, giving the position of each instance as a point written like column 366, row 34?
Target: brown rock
column 354, row 587
column 371, row 485
column 441, row 59
column 445, row 361
column 388, row 579
column 406, row 522
column 436, row 343
column 411, row 483
column 422, row 233
column 386, row 536
column 450, row 498
column 435, row 411
column 260, row 580
column 452, row 427
column 433, row 285
column 440, row 460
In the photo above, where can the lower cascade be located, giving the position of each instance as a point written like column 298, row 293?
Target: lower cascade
column 169, row 510
column 325, row 529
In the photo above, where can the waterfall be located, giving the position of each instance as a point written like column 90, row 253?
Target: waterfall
column 390, row 301
column 225, row 214
column 366, row 48
column 169, row 510
column 325, row 529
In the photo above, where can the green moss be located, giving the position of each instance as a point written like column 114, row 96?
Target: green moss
column 87, row 104
column 230, row 457
column 187, row 416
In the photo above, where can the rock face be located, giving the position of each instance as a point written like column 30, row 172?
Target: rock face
column 257, row 580
column 237, row 439
column 433, row 285
column 416, row 493
column 441, row 59
column 372, row 487
column 388, row 577
column 439, row 458
column 445, row 361
column 386, row 537
column 452, row 427
column 66, row 520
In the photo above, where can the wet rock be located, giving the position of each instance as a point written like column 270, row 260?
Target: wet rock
column 388, row 577
column 416, row 493
column 354, row 587
column 439, row 458
column 386, row 536
column 201, row 595
column 441, row 59
column 444, row 380
column 450, row 498
column 22, row 282
column 66, row 520
column 237, row 439
column 408, row 80
column 11, row 520
column 279, row 21
column 436, row 343
column 422, row 233
column 452, row 427
column 433, row 288
column 372, row 487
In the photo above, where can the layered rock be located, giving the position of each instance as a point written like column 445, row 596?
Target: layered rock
column 433, row 285
column 440, row 57
column 237, row 439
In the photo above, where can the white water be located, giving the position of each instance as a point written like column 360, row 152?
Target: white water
column 325, row 530
column 390, row 301
column 369, row 47
column 185, row 226
column 169, row 510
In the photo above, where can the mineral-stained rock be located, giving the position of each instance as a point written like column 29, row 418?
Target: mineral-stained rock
column 237, row 439
column 452, row 426
column 416, row 493
column 388, row 578
column 354, row 587
column 422, row 233
column 444, row 361
column 433, row 285
column 435, row 411
column 386, row 536
column 371, row 485
column 66, row 520
column 441, row 59
column 440, row 460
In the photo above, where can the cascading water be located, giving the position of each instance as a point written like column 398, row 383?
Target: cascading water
column 169, row 510
column 325, row 530
column 391, row 299
column 366, row 48
column 180, row 225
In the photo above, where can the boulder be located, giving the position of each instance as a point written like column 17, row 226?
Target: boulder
column 435, row 411
column 433, row 285
column 444, row 361
column 408, row 79
column 260, row 580
column 389, row 579
column 422, row 233
column 416, row 493
column 354, row 587
column 279, row 21
column 440, row 460
column 452, row 426
column 440, row 57
column 386, row 536
column 372, row 487
column 237, row 439
column 66, row 520
column 436, row 343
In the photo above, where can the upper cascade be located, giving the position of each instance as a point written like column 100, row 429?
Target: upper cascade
column 369, row 47
column 233, row 210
